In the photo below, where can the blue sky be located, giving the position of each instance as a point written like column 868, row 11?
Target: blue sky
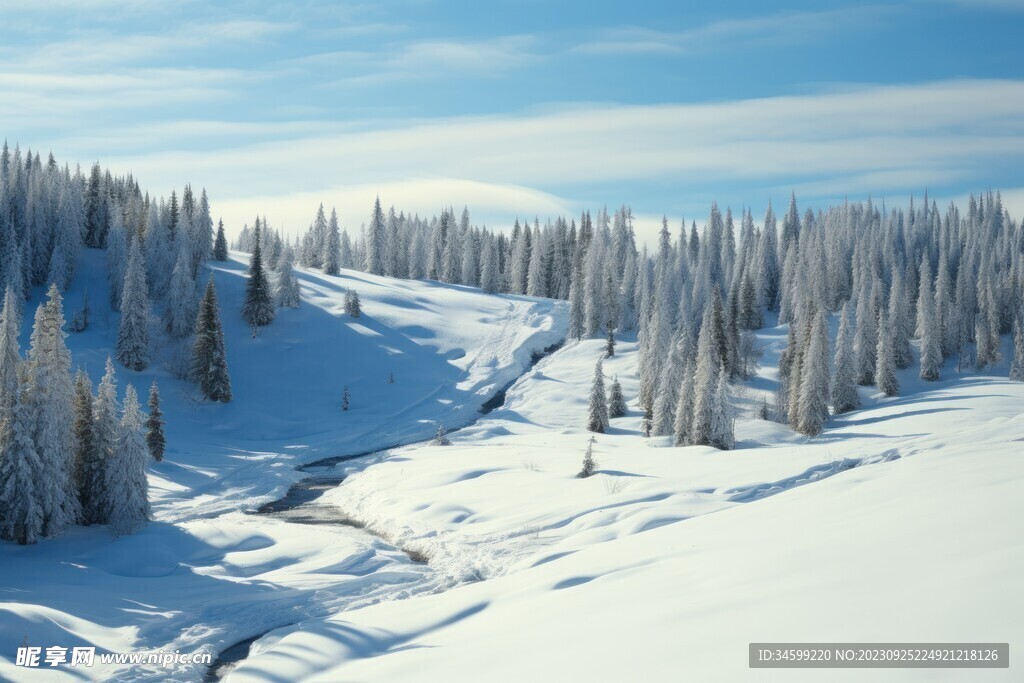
column 523, row 107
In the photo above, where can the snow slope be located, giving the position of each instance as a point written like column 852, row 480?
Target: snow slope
column 891, row 526
column 204, row 574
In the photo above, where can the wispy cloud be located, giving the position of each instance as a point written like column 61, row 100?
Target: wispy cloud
column 764, row 31
column 876, row 138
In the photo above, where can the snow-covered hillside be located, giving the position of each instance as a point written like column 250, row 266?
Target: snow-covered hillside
column 889, row 527
column 204, row 574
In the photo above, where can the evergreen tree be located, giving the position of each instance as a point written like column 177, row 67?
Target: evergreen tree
column 900, row 327
column 10, row 359
column 375, row 235
column 589, row 464
column 616, row 402
column 577, row 326
column 209, row 361
column 287, row 292
column 684, row 407
column 220, row 244
column 812, row 410
column 87, row 458
column 332, row 247
column 180, row 310
column 345, row 398
column 885, row 370
column 133, row 333
column 352, row 305
column 712, row 423
column 865, row 340
column 597, row 415
column 844, row 387
column 1017, row 364
column 128, row 509
column 106, row 428
column 441, row 438
column 258, row 308
column 928, row 327
column 609, row 345
column 155, row 439
column 51, row 393
column 21, row 507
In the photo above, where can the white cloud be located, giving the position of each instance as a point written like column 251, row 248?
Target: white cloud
column 877, row 139
column 763, row 31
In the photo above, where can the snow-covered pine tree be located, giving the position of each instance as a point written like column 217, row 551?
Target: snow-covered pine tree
column 1017, row 363
column 589, row 464
column 928, row 327
column 21, row 509
column 220, row 244
column 180, row 308
column 332, row 246
column 258, row 307
column 106, row 427
column 812, row 408
column 616, row 402
column 844, row 386
column 87, row 457
column 597, row 409
column 490, row 275
column 51, row 393
column 684, row 406
column 711, row 412
column 133, row 332
column 155, row 439
column 117, row 260
column 900, row 325
column 865, row 339
column 577, row 325
column 609, row 344
column 885, row 369
column 346, row 397
column 128, row 509
column 352, row 305
column 287, row 291
column 10, row 358
column 209, row 361
column 722, row 427
column 375, row 236
column 441, row 438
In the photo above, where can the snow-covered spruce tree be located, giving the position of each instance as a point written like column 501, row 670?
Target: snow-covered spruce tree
column 609, row 344
column 209, row 361
column 490, row 275
column 258, row 307
column 441, row 438
column 21, row 509
column 885, row 369
column 844, row 386
column 220, row 244
column 928, row 327
column 589, row 464
column 352, row 305
column 180, row 309
column 346, row 398
column 900, row 325
column 106, row 427
column 133, row 332
column 51, row 394
column 577, row 327
column 684, row 407
column 117, row 260
column 711, row 413
column 865, row 339
column 812, row 409
column 10, row 358
column 87, row 458
column 128, row 509
column 155, row 439
column 722, row 426
column 666, row 401
column 287, row 291
column 616, row 402
column 375, row 236
column 1017, row 363
column 597, row 409
column 332, row 246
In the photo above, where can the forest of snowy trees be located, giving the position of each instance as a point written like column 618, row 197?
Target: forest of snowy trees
column 951, row 280
column 68, row 456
